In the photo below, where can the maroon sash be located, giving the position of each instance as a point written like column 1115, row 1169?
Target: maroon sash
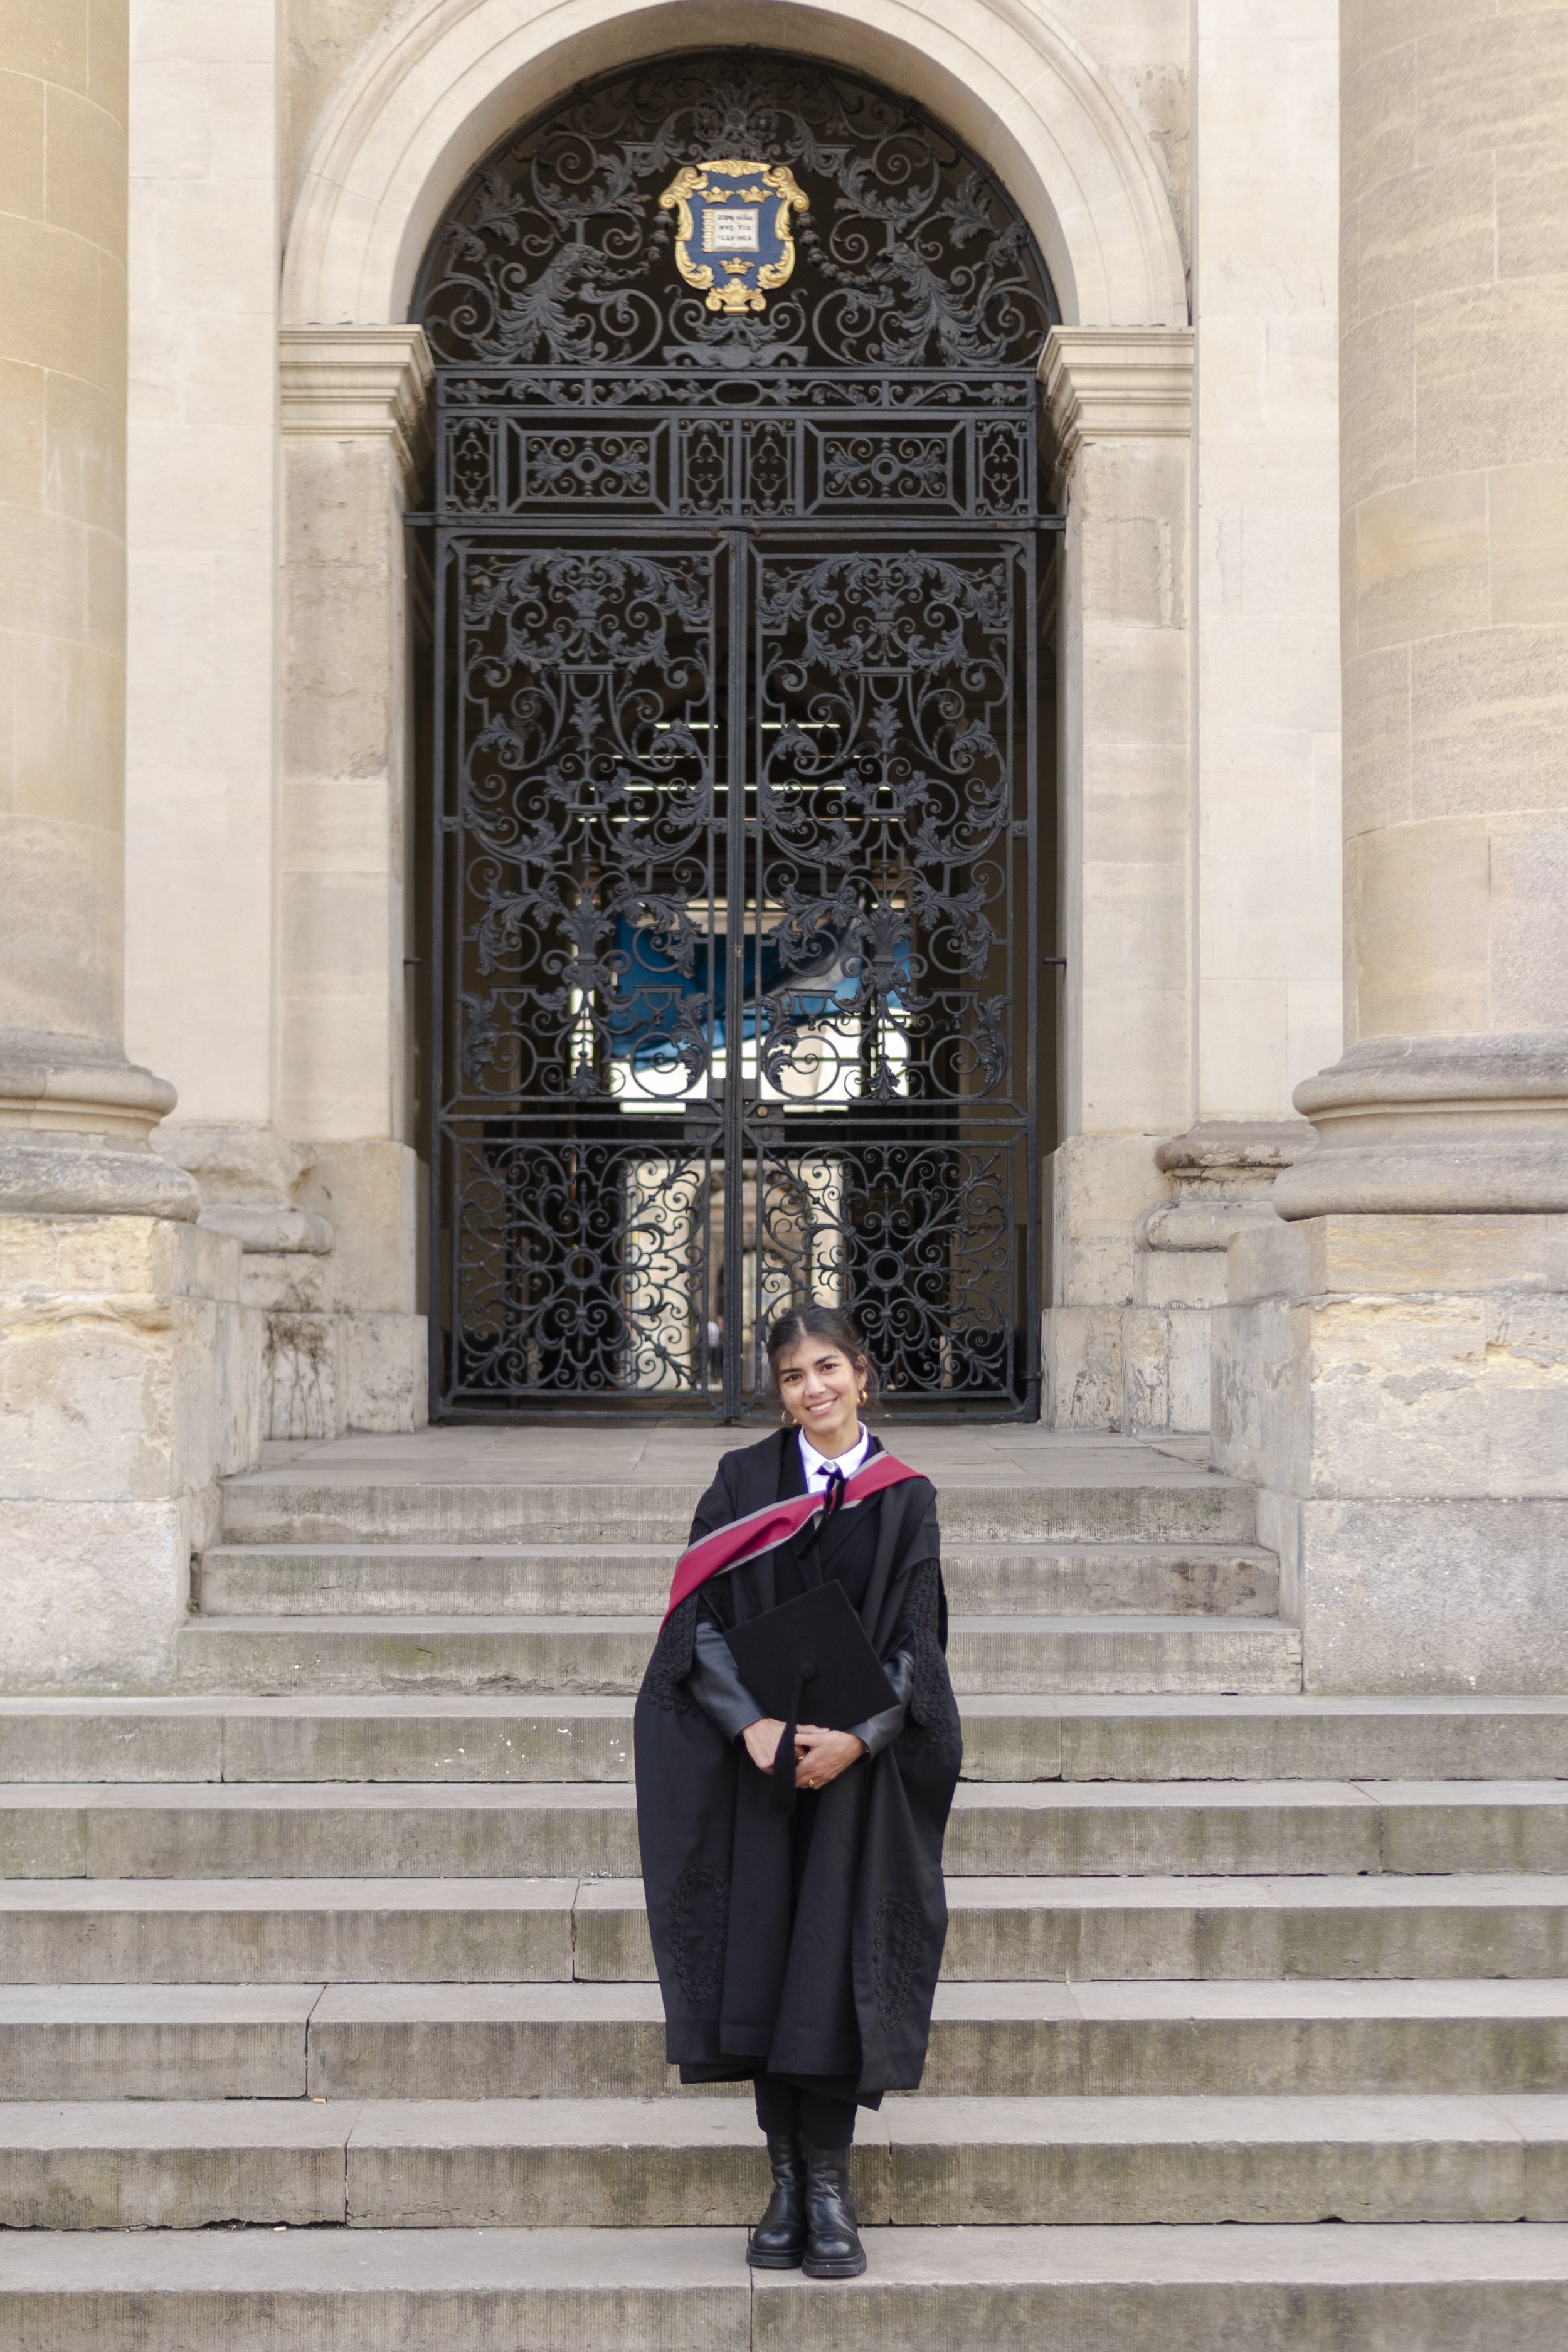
column 775, row 1523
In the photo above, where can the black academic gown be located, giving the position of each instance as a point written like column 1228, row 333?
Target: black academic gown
column 804, row 1946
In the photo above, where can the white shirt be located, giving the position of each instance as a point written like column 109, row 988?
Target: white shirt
column 817, row 1465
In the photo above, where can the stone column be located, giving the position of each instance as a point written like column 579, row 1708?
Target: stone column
column 1396, row 1373
column 1454, row 385
column 124, row 1368
column 74, row 1113
column 1120, row 406
column 355, row 432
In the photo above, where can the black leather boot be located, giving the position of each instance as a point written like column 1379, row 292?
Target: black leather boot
column 778, row 2240
column 832, row 2247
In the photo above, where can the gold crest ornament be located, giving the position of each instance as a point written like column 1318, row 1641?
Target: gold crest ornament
column 732, row 240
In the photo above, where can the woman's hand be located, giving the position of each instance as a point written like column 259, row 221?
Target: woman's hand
column 761, row 1739
column 821, row 1756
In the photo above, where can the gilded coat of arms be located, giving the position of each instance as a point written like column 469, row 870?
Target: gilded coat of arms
column 732, row 240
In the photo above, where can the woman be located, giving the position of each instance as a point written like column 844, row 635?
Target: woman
column 799, row 1949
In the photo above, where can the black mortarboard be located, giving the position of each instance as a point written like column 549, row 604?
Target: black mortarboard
column 810, row 1657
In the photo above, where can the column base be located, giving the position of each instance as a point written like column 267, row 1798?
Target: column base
column 1435, row 1125
column 1396, row 1387
column 1140, row 1233
column 74, row 1122
column 328, row 1235
column 130, row 1384
column 89, row 1176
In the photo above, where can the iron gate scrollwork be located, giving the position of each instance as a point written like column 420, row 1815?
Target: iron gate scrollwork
column 735, row 621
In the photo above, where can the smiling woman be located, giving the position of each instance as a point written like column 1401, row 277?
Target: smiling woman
column 798, row 1929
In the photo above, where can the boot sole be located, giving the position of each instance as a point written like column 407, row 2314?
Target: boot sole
column 772, row 2261
column 834, row 2269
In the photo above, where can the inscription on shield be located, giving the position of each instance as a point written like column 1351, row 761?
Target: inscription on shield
column 732, row 229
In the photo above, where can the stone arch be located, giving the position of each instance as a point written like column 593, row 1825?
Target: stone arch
column 438, row 92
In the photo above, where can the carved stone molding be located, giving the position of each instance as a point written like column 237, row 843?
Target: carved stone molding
column 1224, row 1172
column 1117, row 384
column 248, row 1174
column 1435, row 1125
column 441, row 84
column 74, row 1123
column 354, row 382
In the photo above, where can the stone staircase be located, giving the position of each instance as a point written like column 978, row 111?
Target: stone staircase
column 327, row 2017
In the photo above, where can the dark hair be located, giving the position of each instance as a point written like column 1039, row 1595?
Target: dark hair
column 814, row 1322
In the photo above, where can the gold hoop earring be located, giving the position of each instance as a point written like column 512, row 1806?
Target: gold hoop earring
column 863, row 1396
column 785, row 1417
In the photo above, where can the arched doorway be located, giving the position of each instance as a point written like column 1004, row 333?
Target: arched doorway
column 735, row 829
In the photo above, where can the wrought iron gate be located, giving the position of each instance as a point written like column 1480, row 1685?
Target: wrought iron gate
column 736, row 626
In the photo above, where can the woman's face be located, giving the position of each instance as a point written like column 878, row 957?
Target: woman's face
column 820, row 1385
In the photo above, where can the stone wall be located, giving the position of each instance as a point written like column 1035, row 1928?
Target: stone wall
column 269, row 772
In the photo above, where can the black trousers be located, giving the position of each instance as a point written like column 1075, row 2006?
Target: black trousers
column 792, row 2111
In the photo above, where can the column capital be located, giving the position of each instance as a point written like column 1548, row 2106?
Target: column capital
column 1117, row 384
column 345, row 384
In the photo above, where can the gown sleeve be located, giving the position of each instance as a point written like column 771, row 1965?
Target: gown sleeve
column 879, row 1731
column 715, row 1682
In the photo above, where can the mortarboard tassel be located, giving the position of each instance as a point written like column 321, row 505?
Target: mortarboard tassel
column 781, row 1798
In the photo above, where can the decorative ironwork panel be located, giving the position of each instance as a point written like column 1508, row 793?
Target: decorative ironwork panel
column 574, row 467
column 910, row 471
column 887, row 797
column 561, row 252
column 921, row 1237
column 891, row 904
column 584, row 834
column 734, row 712
column 578, row 1263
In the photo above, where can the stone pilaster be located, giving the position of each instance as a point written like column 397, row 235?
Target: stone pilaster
column 1220, row 1174
column 1393, row 1366
column 1120, row 403
column 355, row 402
column 201, row 781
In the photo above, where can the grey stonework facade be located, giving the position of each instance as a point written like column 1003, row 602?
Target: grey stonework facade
column 328, row 2010
column 1302, row 418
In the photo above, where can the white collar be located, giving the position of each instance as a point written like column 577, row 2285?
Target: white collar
column 817, row 1465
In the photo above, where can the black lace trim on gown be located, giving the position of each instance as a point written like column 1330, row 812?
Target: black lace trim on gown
column 664, row 1683
column 933, row 1710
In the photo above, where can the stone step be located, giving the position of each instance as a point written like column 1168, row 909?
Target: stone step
column 999, row 1829
column 606, row 1656
column 267, row 1508
column 1458, row 2287
column 499, row 1930
column 1008, row 1738
column 616, row 2164
column 514, row 2040
column 632, row 1579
